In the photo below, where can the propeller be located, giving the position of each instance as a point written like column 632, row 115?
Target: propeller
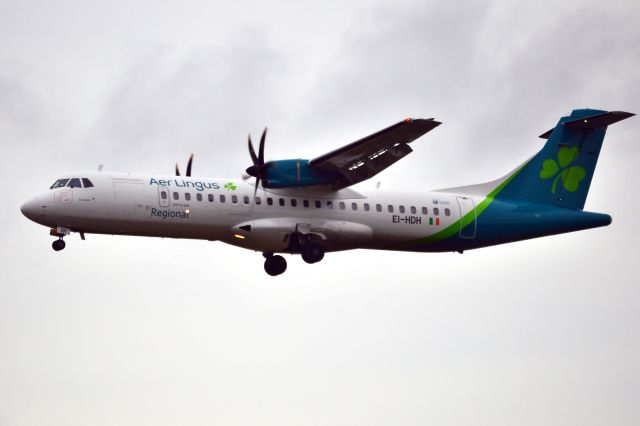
column 259, row 168
column 189, row 163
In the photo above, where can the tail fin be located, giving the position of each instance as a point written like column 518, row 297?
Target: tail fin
column 560, row 174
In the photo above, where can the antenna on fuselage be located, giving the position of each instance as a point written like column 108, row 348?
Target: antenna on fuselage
column 100, row 166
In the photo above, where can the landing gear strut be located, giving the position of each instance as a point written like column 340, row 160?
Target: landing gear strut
column 274, row 264
column 58, row 244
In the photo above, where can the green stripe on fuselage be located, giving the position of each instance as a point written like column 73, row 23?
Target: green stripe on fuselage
column 468, row 218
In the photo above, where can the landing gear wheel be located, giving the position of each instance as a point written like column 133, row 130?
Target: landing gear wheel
column 58, row 245
column 312, row 253
column 275, row 265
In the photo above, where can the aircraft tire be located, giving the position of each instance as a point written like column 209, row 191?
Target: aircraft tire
column 312, row 253
column 275, row 265
column 58, row 245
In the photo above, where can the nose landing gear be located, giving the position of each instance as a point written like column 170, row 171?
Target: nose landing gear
column 59, row 244
column 274, row 264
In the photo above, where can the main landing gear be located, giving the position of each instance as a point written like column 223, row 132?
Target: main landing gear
column 274, row 264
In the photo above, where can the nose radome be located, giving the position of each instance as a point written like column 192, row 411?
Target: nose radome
column 30, row 208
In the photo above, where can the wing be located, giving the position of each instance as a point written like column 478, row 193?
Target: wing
column 369, row 156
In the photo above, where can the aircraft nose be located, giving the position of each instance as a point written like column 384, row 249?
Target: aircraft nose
column 30, row 208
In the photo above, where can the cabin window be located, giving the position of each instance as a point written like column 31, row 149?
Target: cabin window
column 318, row 204
column 341, row 205
column 305, row 203
column 258, row 200
column 270, row 201
column 413, row 210
column 187, row 196
column 424, row 210
column 87, row 183
column 223, row 198
column 234, row 199
column 401, row 208
column 436, row 211
column 294, row 202
column 366, row 207
column 281, row 202
column 390, row 208
column 210, row 196
column 59, row 183
column 176, row 196
column 378, row 207
column 163, row 195
column 199, row 196
column 447, row 212
column 245, row 199
column 74, row 183
column 329, row 204
column 354, row 206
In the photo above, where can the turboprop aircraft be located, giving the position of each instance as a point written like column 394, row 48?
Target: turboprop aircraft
column 306, row 206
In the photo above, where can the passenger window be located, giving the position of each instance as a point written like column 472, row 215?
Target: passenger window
column 210, row 196
column 270, row 201
column 59, row 183
column 413, row 210
column 86, row 183
column 436, row 211
column 74, row 183
column 223, row 198
column 234, row 199
column 258, row 200
column 390, row 208
column 294, row 202
column 341, row 205
column 366, row 207
column 176, row 196
column 246, row 199
column 447, row 212
column 329, row 204
column 425, row 211
column 378, row 207
column 163, row 195
column 305, row 203
column 318, row 204
column 187, row 196
column 401, row 208
column 199, row 196
column 281, row 202
column 354, row 206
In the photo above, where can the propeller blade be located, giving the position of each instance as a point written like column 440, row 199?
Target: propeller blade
column 255, row 190
column 189, row 163
column 261, row 148
column 252, row 152
column 177, row 170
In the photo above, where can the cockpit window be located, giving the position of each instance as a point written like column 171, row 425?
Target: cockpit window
column 59, row 183
column 87, row 183
column 74, row 183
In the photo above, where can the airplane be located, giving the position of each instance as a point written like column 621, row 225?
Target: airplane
column 307, row 207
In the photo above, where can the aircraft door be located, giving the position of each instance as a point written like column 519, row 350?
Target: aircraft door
column 163, row 197
column 467, row 208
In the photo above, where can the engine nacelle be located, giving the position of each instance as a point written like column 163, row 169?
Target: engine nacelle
column 292, row 173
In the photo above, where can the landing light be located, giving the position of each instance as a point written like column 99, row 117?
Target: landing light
column 240, row 237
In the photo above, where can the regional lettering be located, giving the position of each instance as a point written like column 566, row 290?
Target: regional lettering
column 169, row 214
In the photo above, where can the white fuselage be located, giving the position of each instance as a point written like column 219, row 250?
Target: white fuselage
column 226, row 210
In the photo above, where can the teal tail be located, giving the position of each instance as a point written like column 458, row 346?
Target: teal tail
column 560, row 174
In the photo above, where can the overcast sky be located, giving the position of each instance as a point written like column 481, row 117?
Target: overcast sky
column 131, row 331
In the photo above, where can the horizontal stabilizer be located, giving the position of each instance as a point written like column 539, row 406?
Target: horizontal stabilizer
column 593, row 122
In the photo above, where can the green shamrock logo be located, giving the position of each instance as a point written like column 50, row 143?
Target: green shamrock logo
column 571, row 176
column 230, row 186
